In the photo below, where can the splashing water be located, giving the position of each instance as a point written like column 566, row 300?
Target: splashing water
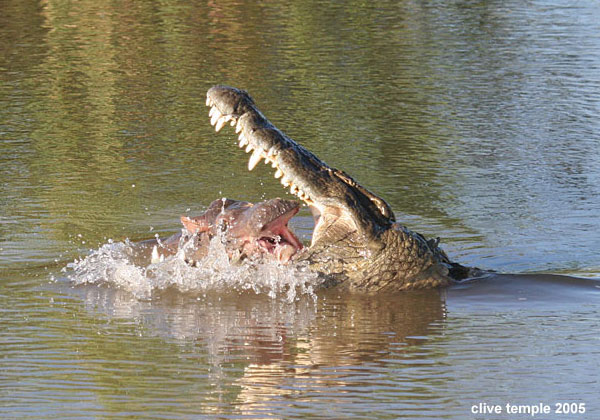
column 111, row 264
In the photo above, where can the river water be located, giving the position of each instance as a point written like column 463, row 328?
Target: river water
column 477, row 121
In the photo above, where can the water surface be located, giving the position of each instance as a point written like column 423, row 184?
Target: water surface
column 476, row 121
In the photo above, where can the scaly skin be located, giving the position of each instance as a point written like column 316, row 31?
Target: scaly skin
column 356, row 242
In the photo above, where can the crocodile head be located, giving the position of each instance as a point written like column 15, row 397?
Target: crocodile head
column 355, row 240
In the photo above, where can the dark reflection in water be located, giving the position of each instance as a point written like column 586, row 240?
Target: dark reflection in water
column 412, row 354
column 218, row 352
column 234, row 353
column 476, row 120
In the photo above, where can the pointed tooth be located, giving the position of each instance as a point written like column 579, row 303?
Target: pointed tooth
column 243, row 140
column 215, row 117
column 238, row 126
column 254, row 159
column 271, row 151
column 212, row 111
column 268, row 160
column 294, row 189
column 232, row 123
column 285, row 181
column 220, row 123
column 278, row 173
column 208, row 101
column 249, row 148
column 274, row 164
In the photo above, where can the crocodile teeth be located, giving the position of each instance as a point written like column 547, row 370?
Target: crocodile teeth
column 285, row 181
column 215, row 117
column 243, row 140
column 248, row 148
column 254, row 159
column 212, row 111
column 220, row 123
column 232, row 122
column 294, row 189
column 207, row 100
column 274, row 164
column 278, row 173
column 238, row 126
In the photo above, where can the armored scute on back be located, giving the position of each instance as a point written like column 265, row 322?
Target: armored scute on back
column 356, row 242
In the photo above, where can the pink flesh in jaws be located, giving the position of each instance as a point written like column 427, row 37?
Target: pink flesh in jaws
column 287, row 246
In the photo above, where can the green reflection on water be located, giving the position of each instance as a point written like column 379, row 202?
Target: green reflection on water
column 438, row 110
column 116, row 125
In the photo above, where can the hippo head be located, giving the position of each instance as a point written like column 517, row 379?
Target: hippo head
column 248, row 230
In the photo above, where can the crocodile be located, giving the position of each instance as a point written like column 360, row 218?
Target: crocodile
column 356, row 242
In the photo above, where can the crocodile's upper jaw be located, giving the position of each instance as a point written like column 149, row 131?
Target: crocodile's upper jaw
column 339, row 203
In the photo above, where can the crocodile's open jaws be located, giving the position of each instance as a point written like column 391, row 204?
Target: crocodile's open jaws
column 356, row 241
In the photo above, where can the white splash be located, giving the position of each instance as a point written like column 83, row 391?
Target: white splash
column 112, row 265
